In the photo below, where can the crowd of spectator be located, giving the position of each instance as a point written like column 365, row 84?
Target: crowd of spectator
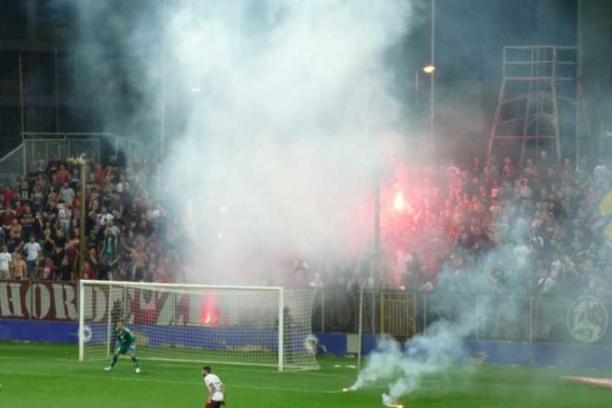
column 541, row 221
column 536, row 229
column 127, row 234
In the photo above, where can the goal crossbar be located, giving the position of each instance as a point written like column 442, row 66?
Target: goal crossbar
column 178, row 285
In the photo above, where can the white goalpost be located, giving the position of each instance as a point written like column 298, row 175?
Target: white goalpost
column 246, row 325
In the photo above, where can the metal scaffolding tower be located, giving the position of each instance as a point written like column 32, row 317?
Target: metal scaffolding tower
column 539, row 100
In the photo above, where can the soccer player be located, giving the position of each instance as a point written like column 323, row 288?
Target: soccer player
column 126, row 344
column 216, row 389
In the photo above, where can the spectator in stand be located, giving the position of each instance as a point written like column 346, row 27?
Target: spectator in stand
column 8, row 195
column 16, row 230
column 544, row 162
column 60, row 238
column 301, row 273
column 44, row 204
column 72, row 252
column 104, row 272
column 27, row 223
column 75, row 231
column 104, row 217
column 67, row 193
column 509, row 170
column 24, row 189
column 48, row 243
column 32, row 249
column 40, row 163
column 112, row 229
column 139, row 259
column 7, row 216
column 37, row 202
column 5, row 263
column 161, row 274
column 19, row 267
column 88, row 272
column 65, row 270
column 64, row 214
column 49, row 270
column 100, row 174
column 62, row 176
column 19, row 209
column 52, row 198
column 530, row 171
column 53, row 165
column 57, row 255
column 92, row 260
column 14, row 242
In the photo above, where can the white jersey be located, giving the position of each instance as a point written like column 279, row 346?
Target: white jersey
column 217, row 386
column 5, row 260
column 32, row 249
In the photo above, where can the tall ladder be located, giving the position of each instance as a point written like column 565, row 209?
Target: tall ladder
column 539, row 102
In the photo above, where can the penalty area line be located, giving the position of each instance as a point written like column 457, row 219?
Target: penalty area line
column 64, row 360
column 141, row 379
column 263, row 370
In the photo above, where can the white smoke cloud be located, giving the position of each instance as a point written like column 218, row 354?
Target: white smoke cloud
column 287, row 127
column 461, row 313
column 404, row 367
column 280, row 113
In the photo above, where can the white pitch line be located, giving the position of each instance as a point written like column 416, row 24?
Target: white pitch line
column 226, row 367
column 46, row 359
column 155, row 380
column 269, row 370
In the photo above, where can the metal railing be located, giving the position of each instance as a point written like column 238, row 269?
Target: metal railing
column 47, row 145
column 44, row 146
column 12, row 166
column 512, row 318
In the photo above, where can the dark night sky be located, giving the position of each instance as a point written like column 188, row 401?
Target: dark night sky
column 470, row 34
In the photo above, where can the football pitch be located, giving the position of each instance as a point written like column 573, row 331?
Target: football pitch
column 49, row 376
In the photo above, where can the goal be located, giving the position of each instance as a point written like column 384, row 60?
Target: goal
column 248, row 325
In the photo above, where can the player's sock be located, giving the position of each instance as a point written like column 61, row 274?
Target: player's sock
column 136, row 362
column 115, row 357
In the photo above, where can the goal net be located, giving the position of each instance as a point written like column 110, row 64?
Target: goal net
column 263, row 326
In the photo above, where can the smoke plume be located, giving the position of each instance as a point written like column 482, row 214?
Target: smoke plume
column 278, row 115
column 460, row 314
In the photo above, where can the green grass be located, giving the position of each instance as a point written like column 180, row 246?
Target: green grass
column 49, row 376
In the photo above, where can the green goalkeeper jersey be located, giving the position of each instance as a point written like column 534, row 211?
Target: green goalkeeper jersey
column 125, row 337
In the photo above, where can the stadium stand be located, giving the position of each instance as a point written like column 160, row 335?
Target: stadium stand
column 128, row 234
column 561, row 209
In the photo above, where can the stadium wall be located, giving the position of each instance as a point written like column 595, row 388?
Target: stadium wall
column 478, row 351
column 47, row 312
column 39, row 331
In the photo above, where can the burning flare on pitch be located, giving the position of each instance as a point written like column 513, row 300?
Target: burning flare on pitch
column 387, row 400
column 390, row 402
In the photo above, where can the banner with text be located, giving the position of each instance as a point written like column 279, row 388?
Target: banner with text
column 38, row 300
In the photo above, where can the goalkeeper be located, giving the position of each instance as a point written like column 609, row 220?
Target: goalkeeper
column 126, row 345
